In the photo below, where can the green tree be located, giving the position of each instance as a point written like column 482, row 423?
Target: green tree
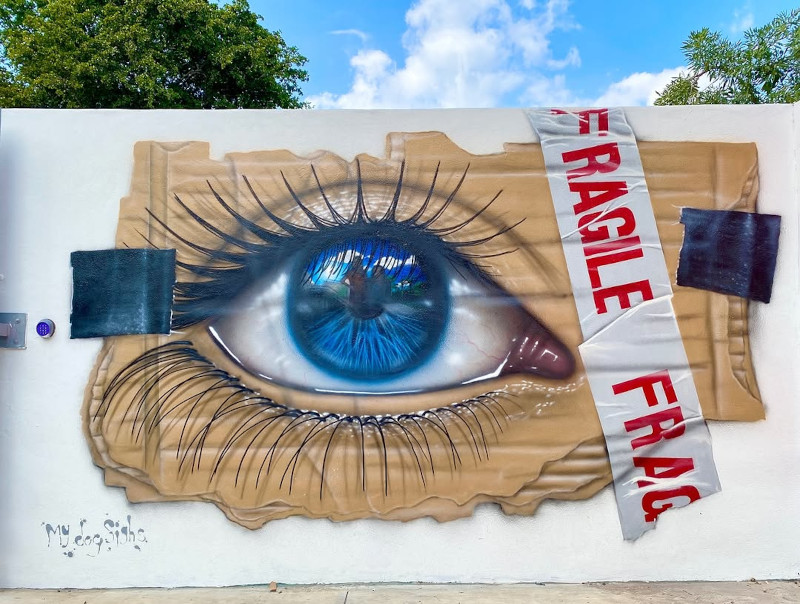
column 143, row 54
column 763, row 67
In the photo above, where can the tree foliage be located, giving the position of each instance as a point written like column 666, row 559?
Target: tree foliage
column 763, row 67
column 143, row 54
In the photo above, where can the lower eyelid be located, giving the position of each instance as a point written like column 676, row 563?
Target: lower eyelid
column 348, row 404
column 223, row 432
column 193, row 431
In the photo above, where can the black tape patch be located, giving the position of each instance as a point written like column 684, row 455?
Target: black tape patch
column 121, row 292
column 729, row 252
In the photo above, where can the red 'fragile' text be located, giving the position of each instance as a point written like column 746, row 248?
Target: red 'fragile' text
column 665, row 423
column 607, row 233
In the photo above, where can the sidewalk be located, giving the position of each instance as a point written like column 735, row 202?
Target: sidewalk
column 766, row 592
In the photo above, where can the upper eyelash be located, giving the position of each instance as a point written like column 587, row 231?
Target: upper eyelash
column 473, row 422
column 197, row 301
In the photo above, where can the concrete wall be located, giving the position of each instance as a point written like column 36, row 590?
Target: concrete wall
column 62, row 174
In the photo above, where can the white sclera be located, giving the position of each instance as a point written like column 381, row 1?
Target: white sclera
column 475, row 343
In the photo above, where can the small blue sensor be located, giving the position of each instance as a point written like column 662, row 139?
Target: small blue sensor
column 45, row 328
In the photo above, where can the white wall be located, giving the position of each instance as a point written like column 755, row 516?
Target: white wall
column 62, row 174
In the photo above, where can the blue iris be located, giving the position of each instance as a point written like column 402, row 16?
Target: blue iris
column 368, row 308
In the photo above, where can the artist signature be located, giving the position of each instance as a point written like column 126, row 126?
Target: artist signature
column 88, row 539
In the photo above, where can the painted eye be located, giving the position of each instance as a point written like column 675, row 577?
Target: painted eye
column 376, row 313
column 364, row 287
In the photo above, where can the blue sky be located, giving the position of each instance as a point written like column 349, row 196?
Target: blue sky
column 497, row 53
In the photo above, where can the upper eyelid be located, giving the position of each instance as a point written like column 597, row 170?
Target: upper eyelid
column 233, row 260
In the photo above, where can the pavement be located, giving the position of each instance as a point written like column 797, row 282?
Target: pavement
column 766, row 592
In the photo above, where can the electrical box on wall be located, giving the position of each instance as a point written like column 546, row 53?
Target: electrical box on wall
column 12, row 329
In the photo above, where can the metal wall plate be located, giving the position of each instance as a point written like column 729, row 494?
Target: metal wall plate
column 12, row 329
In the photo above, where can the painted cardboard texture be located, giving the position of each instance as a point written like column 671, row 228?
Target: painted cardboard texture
column 177, row 418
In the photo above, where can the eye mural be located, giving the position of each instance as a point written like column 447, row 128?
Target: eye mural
column 381, row 337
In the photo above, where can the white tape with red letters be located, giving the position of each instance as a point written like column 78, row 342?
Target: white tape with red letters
column 657, row 439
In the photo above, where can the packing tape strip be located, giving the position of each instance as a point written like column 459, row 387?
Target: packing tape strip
column 121, row 292
column 657, row 440
column 729, row 252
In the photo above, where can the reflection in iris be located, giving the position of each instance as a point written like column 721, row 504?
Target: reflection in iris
column 367, row 308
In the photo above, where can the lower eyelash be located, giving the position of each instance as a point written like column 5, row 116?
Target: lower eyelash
column 202, row 397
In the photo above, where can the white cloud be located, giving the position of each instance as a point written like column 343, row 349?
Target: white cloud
column 481, row 53
column 543, row 91
column 371, row 70
column 573, row 58
column 469, row 53
column 742, row 20
column 352, row 32
column 637, row 89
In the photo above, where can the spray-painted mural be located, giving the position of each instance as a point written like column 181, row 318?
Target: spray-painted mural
column 389, row 337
